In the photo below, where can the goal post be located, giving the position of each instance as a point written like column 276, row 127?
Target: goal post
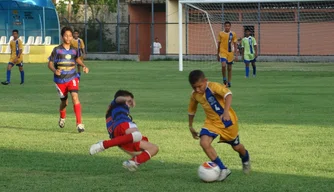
column 284, row 29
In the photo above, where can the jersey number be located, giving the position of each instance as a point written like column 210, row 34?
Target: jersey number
column 217, row 108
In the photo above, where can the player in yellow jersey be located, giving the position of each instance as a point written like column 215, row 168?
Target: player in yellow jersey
column 221, row 120
column 79, row 44
column 227, row 51
column 16, row 57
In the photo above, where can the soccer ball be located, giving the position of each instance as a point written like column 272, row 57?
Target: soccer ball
column 208, row 171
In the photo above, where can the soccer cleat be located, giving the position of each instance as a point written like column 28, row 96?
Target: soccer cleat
column 21, row 83
column 229, row 84
column 224, row 174
column 246, row 167
column 224, row 82
column 81, row 128
column 130, row 165
column 61, row 123
column 96, row 148
column 5, row 82
column 254, row 75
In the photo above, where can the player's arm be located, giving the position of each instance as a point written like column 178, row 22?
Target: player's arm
column 51, row 63
column 83, row 49
column 255, row 47
column 126, row 100
column 79, row 62
column 192, row 108
column 235, row 44
column 218, row 50
column 20, row 49
column 242, row 50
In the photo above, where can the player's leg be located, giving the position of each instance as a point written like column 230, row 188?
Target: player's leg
column 206, row 138
column 9, row 68
column 21, row 72
column 223, row 61
column 124, row 133
column 254, row 68
column 246, row 68
column 62, row 92
column 73, row 88
column 229, row 62
column 243, row 154
column 147, row 151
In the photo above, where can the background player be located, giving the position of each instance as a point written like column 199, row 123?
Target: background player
column 227, row 51
column 62, row 63
column 249, row 51
column 221, row 120
column 123, row 132
column 16, row 57
column 79, row 44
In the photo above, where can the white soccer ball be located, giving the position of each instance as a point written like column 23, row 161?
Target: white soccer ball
column 208, row 171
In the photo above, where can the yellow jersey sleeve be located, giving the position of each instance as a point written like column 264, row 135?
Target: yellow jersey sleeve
column 220, row 89
column 74, row 43
column 82, row 45
column 20, row 44
column 234, row 39
column 192, row 108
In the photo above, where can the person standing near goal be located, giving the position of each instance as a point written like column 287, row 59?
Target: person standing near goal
column 249, row 52
column 227, row 50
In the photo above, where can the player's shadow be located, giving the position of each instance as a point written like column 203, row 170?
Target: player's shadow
column 22, row 170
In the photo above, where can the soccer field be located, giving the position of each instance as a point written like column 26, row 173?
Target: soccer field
column 285, row 115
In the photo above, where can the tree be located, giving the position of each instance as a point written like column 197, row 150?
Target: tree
column 95, row 6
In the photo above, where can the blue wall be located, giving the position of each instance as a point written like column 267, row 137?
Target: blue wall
column 29, row 17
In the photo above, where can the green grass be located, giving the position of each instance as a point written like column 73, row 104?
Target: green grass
column 285, row 117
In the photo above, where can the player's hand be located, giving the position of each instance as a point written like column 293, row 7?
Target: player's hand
column 58, row 72
column 194, row 133
column 236, row 58
column 15, row 60
column 84, row 56
column 225, row 116
column 85, row 69
column 255, row 55
column 130, row 102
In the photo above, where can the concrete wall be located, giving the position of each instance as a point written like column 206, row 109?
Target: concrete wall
column 172, row 29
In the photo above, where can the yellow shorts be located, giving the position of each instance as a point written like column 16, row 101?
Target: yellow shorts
column 227, row 57
column 226, row 134
column 18, row 62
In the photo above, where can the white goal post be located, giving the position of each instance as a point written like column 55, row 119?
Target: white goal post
column 309, row 12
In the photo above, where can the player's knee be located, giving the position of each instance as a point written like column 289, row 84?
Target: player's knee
column 154, row 150
column 205, row 144
column 237, row 147
column 21, row 68
column 136, row 136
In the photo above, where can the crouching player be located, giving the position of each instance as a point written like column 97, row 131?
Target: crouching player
column 221, row 120
column 124, row 133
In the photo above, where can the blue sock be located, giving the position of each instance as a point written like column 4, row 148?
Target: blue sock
column 22, row 76
column 8, row 75
column 254, row 70
column 244, row 158
column 247, row 71
column 219, row 163
column 224, row 79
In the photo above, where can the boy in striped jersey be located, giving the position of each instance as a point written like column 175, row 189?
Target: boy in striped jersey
column 249, row 52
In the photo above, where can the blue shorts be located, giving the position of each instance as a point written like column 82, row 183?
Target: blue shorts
column 225, row 60
column 250, row 61
column 234, row 142
column 19, row 65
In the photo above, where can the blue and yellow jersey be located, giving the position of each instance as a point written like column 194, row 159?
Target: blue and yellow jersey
column 117, row 113
column 78, row 44
column 227, row 41
column 15, row 47
column 213, row 103
column 65, row 60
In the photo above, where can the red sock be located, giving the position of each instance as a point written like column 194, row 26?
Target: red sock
column 142, row 158
column 121, row 140
column 62, row 113
column 77, row 111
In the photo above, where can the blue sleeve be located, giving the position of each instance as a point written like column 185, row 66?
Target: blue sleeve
column 113, row 103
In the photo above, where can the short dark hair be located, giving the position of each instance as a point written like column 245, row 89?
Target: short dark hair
column 195, row 76
column 64, row 29
column 227, row 22
column 123, row 93
column 76, row 31
column 15, row 30
column 247, row 30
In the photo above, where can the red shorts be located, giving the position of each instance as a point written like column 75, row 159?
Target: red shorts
column 120, row 131
column 64, row 88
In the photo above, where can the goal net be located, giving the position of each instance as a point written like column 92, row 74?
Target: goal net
column 285, row 30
